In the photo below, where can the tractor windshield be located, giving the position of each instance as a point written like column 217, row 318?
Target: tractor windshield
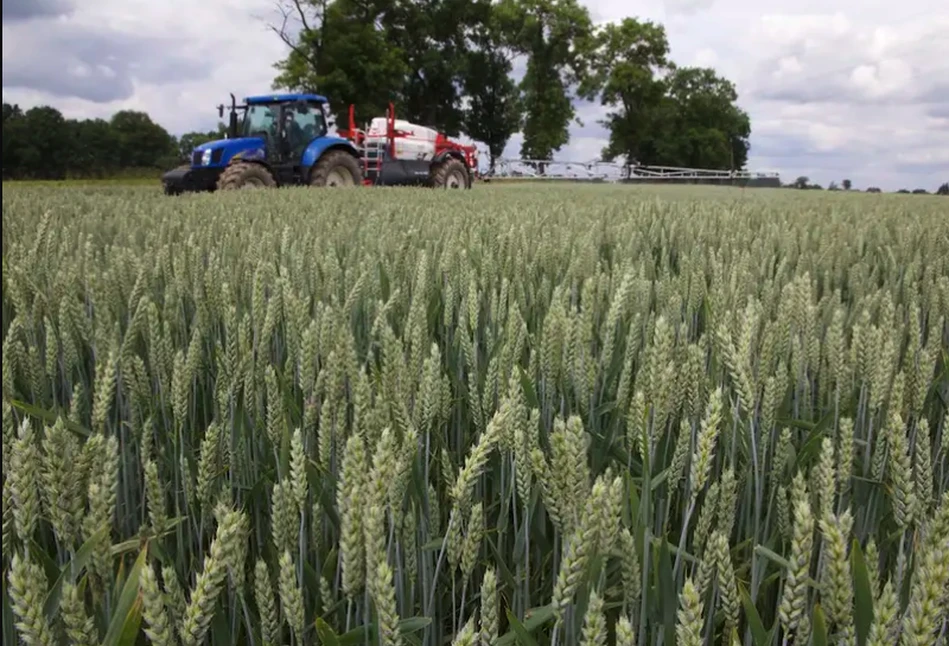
column 259, row 119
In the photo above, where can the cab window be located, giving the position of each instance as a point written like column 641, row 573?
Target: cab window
column 258, row 119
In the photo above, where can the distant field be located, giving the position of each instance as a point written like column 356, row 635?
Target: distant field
column 520, row 184
column 67, row 183
column 519, row 414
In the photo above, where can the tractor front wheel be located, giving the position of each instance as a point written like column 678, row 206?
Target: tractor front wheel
column 245, row 175
column 451, row 173
column 336, row 168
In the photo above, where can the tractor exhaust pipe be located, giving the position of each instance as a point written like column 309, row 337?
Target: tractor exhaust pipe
column 232, row 124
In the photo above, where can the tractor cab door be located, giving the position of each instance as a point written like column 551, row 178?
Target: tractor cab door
column 300, row 123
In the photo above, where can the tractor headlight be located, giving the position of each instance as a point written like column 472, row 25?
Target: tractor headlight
column 206, row 157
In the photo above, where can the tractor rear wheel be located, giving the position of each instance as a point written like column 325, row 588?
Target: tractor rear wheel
column 451, row 173
column 336, row 169
column 245, row 175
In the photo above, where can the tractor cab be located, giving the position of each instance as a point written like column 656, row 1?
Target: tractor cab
column 286, row 124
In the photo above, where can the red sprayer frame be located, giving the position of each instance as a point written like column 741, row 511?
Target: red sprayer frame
column 442, row 143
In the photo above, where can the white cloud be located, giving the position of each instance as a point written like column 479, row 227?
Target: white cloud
column 176, row 59
column 858, row 90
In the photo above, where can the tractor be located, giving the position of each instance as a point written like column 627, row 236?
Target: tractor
column 283, row 140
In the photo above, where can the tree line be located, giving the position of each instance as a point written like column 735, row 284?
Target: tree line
column 450, row 64
column 804, row 182
column 40, row 143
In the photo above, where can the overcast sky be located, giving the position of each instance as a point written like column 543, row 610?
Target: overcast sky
column 852, row 88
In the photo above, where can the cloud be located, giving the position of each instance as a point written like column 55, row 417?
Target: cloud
column 21, row 10
column 688, row 7
column 829, row 58
column 92, row 63
column 858, row 91
column 939, row 113
column 175, row 59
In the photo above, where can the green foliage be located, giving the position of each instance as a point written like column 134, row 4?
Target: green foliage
column 555, row 36
column 713, row 130
column 448, row 63
column 626, row 59
column 372, row 53
column 494, row 111
column 347, row 57
column 33, row 141
column 41, row 144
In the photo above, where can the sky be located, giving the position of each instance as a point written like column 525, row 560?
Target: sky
column 854, row 89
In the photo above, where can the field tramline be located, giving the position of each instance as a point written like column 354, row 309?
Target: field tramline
column 571, row 416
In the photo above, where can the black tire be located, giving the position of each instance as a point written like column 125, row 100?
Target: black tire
column 245, row 175
column 451, row 173
column 336, row 169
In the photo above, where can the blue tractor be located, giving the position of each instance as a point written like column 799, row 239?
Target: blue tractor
column 273, row 140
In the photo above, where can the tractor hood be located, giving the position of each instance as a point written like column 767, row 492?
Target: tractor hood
column 223, row 151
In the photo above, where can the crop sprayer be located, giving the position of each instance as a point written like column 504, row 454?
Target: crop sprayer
column 283, row 140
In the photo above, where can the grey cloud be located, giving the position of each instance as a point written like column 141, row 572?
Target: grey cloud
column 937, row 91
column 836, row 87
column 98, row 66
column 92, row 84
column 939, row 111
column 20, row 10
column 920, row 168
column 788, row 147
column 687, row 7
column 798, row 93
column 831, row 59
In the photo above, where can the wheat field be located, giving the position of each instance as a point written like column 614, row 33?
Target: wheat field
column 508, row 416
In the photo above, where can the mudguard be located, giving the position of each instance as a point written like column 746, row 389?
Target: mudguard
column 445, row 154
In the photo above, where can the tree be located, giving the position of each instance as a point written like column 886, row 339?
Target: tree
column 432, row 36
column 624, row 60
column 14, row 139
column 847, row 184
column 702, row 127
column 554, row 35
column 142, row 143
column 943, row 189
column 833, row 186
column 42, row 144
column 95, row 153
column 45, row 146
column 801, row 182
column 494, row 111
column 370, row 53
column 341, row 51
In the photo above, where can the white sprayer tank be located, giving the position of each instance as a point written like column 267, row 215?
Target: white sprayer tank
column 417, row 142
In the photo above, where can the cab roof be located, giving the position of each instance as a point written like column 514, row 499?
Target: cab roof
column 284, row 97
